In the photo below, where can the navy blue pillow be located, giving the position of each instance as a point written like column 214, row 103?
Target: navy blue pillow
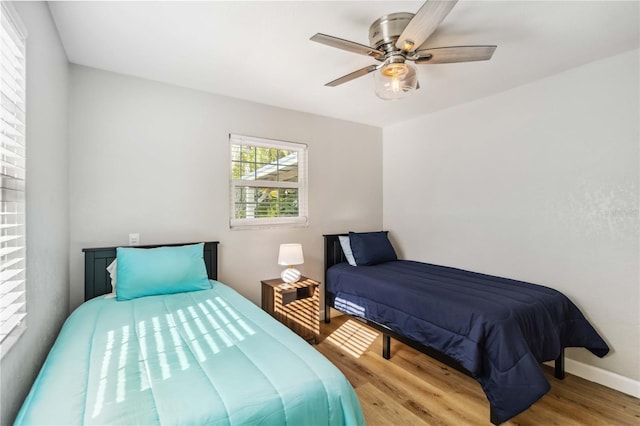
column 370, row 248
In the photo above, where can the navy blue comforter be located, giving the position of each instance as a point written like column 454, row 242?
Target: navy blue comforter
column 499, row 329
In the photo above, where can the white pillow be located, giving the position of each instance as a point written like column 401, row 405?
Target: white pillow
column 111, row 269
column 346, row 249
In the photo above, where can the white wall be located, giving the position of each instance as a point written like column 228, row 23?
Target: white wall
column 539, row 183
column 47, row 207
column 153, row 159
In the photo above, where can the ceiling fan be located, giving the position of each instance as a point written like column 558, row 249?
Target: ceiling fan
column 395, row 39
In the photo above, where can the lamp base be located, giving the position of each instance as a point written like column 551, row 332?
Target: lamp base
column 290, row 275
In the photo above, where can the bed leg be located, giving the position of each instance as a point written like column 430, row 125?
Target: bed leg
column 386, row 346
column 327, row 314
column 493, row 417
column 559, row 366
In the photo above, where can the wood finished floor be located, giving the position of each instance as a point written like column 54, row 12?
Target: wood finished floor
column 413, row 389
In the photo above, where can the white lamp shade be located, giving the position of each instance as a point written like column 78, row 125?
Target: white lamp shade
column 290, row 254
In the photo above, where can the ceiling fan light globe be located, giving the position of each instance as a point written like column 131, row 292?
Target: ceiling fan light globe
column 395, row 70
column 395, row 81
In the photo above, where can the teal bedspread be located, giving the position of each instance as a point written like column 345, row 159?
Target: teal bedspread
column 203, row 357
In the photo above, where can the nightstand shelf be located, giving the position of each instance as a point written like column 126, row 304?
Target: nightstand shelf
column 296, row 305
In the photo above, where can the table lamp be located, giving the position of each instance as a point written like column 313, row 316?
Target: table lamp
column 290, row 254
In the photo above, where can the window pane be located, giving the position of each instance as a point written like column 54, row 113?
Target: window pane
column 265, row 202
column 259, row 163
column 236, row 170
column 284, row 152
column 288, row 202
column 236, row 153
column 266, row 155
column 267, row 171
column 243, row 170
column 287, row 173
column 248, row 153
column 288, row 167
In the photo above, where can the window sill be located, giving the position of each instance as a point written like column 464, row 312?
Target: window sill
column 240, row 224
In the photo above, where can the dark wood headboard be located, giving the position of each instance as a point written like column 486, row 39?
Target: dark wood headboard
column 97, row 280
column 332, row 252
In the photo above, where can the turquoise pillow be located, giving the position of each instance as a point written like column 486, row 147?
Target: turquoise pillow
column 162, row 270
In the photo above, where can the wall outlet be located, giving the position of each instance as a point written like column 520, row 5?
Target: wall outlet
column 134, row 239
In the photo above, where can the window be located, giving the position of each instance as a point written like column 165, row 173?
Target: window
column 12, row 179
column 268, row 182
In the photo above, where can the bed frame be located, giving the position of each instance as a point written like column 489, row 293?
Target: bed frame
column 97, row 280
column 333, row 255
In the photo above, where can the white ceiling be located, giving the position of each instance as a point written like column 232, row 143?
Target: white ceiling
column 260, row 50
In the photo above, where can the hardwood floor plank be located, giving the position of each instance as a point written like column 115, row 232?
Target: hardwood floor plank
column 420, row 395
column 379, row 409
column 414, row 389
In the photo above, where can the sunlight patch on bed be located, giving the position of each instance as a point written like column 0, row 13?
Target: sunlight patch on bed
column 172, row 340
column 353, row 338
column 235, row 316
column 122, row 363
column 203, row 330
column 162, row 356
column 197, row 349
column 143, row 367
column 104, row 370
column 177, row 343
column 216, row 326
column 225, row 320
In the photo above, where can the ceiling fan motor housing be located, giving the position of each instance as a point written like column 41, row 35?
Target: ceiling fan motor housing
column 384, row 32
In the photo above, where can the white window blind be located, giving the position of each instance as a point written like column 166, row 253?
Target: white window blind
column 268, row 182
column 12, row 178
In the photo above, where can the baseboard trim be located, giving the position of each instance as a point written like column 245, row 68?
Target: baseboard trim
column 606, row 378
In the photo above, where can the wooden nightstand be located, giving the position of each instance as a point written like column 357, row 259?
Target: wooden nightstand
column 296, row 305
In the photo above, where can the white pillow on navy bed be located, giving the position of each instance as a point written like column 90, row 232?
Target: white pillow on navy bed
column 111, row 269
column 346, row 249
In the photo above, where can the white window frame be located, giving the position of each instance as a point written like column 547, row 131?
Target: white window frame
column 301, row 185
column 13, row 250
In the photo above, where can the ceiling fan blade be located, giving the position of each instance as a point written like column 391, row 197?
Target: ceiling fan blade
column 347, row 45
column 424, row 23
column 448, row 55
column 352, row 76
